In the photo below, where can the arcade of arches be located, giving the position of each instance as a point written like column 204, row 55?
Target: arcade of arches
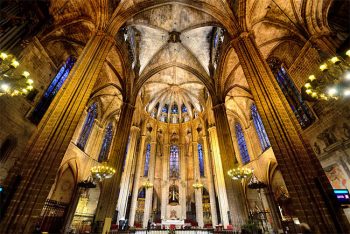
column 173, row 93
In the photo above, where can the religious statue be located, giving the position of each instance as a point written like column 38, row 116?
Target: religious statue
column 173, row 214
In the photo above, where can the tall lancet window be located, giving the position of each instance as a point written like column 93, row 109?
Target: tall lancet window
column 299, row 107
column 52, row 90
column 201, row 160
column 106, row 144
column 174, row 161
column 260, row 129
column 147, row 158
column 243, row 150
column 89, row 122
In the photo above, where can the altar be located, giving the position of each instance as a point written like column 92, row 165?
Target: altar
column 176, row 222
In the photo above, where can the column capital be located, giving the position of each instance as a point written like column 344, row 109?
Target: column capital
column 211, row 129
column 242, row 35
column 129, row 105
column 134, row 129
column 108, row 36
column 219, row 105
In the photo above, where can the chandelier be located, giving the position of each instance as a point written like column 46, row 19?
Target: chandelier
column 102, row 172
column 12, row 81
column 88, row 183
column 148, row 184
column 254, row 183
column 331, row 81
column 197, row 185
column 239, row 173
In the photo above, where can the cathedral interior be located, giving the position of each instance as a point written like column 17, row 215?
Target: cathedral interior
column 213, row 115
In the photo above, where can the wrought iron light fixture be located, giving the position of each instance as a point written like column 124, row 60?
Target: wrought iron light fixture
column 239, row 173
column 148, row 184
column 12, row 81
column 197, row 185
column 331, row 81
column 102, row 172
column 88, row 183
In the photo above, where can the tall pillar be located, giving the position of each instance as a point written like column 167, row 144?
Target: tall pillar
column 209, row 175
column 49, row 143
column 310, row 191
column 219, row 176
column 135, row 189
column 165, row 182
column 182, row 181
column 197, row 192
column 234, row 189
column 127, row 174
column 110, row 187
column 149, row 192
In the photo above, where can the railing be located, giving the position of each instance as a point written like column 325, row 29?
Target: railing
column 192, row 231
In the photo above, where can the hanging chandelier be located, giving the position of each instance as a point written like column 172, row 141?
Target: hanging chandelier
column 148, row 184
column 12, row 81
column 239, row 173
column 254, row 183
column 102, row 172
column 331, row 81
column 197, row 185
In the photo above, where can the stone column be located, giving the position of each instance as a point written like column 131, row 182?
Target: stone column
column 210, row 181
column 49, row 143
column 126, row 176
column 110, row 187
column 149, row 192
column 135, row 189
column 234, row 189
column 165, row 182
column 276, row 217
column 197, row 192
column 311, row 194
column 219, row 175
column 182, row 181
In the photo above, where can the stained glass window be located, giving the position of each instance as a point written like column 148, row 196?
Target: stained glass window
column 89, row 122
column 242, row 144
column 51, row 91
column 260, row 129
column 106, row 144
column 201, row 160
column 165, row 108
column 183, row 108
column 142, row 193
column 174, row 161
column 299, row 107
column 175, row 109
column 147, row 158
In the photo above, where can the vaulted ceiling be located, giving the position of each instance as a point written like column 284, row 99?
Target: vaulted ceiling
column 180, row 50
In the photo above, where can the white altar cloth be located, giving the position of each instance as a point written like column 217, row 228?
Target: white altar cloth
column 176, row 222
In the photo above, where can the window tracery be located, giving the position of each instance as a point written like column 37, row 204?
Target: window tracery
column 201, row 160
column 106, row 144
column 242, row 144
column 260, row 129
column 147, row 158
column 52, row 90
column 174, row 161
column 87, row 127
column 302, row 112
